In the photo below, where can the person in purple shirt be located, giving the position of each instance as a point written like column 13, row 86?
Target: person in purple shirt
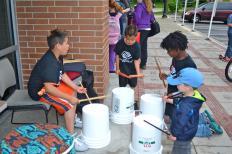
column 143, row 16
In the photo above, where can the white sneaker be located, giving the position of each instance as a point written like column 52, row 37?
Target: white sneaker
column 78, row 123
column 80, row 146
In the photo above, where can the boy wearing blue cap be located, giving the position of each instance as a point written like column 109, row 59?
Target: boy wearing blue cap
column 185, row 115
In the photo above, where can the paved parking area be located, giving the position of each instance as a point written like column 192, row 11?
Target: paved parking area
column 218, row 31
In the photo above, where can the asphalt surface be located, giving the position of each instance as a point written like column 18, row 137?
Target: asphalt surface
column 218, row 31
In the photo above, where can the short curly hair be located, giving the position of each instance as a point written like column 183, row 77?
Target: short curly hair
column 174, row 41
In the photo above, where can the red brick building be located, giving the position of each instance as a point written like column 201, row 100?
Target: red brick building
column 86, row 20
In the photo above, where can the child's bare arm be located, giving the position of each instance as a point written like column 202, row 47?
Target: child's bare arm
column 71, row 84
column 137, row 66
column 117, row 64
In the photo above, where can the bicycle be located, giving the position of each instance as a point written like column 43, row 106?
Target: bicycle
column 228, row 71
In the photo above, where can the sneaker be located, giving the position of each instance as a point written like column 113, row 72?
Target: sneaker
column 164, row 16
column 80, row 146
column 78, row 123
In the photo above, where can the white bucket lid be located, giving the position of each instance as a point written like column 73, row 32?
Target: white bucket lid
column 151, row 97
column 93, row 108
column 123, row 91
column 139, row 121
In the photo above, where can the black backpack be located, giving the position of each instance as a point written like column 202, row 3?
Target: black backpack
column 87, row 82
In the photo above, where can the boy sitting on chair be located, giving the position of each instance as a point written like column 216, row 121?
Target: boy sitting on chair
column 185, row 116
column 45, row 82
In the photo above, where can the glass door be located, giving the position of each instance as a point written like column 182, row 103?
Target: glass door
column 8, row 36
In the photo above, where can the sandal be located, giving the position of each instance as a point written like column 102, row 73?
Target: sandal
column 225, row 59
column 221, row 57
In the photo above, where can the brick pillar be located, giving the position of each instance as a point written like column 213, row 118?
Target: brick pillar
column 87, row 22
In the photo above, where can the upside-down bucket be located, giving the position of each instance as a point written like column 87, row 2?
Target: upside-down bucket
column 152, row 104
column 96, row 132
column 122, row 105
column 145, row 138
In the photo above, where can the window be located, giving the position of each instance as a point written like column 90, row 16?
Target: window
column 209, row 6
column 6, row 36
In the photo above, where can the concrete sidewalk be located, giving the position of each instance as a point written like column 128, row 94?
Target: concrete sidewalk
column 217, row 90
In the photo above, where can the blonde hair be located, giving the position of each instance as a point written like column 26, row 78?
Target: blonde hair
column 148, row 4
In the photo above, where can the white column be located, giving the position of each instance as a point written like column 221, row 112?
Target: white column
column 195, row 12
column 176, row 9
column 212, row 15
column 185, row 5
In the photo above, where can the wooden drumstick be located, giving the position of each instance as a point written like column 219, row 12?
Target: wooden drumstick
column 136, row 76
column 86, row 93
column 131, row 76
column 71, row 61
column 158, row 66
column 123, row 75
column 92, row 98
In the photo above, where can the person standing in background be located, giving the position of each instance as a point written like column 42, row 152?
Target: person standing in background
column 228, row 53
column 114, row 36
column 113, row 3
column 123, row 20
column 143, row 18
column 164, row 8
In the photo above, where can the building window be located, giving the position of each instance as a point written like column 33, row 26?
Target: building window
column 8, row 37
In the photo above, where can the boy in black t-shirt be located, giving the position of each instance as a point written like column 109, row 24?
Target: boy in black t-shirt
column 45, row 82
column 176, row 44
column 128, row 57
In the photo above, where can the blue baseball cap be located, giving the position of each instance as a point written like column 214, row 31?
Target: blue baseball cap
column 189, row 76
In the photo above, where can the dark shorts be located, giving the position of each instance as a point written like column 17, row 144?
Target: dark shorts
column 181, row 147
column 169, row 109
column 124, row 81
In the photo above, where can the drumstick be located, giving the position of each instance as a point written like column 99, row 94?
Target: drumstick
column 131, row 76
column 123, row 75
column 167, row 133
column 158, row 66
column 86, row 93
column 92, row 98
column 71, row 61
column 136, row 76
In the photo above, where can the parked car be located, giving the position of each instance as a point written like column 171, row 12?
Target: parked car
column 204, row 11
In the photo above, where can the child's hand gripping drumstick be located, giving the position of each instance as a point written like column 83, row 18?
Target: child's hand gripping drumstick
column 86, row 94
column 160, row 72
column 130, row 76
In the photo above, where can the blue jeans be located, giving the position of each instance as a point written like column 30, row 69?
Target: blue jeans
column 229, row 48
column 123, row 24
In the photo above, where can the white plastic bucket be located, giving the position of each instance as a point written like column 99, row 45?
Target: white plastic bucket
column 152, row 104
column 132, row 151
column 96, row 132
column 145, row 138
column 122, row 105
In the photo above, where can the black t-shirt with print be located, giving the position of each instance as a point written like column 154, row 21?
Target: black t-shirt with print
column 178, row 65
column 47, row 69
column 127, row 55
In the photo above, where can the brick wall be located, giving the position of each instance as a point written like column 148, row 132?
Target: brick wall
column 87, row 22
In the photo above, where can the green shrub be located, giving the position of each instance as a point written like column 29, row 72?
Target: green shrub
column 172, row 6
